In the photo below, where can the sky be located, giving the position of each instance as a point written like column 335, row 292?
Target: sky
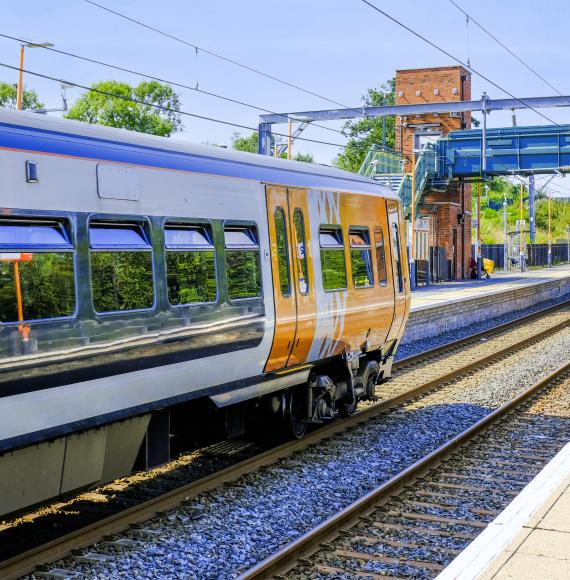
column 335, row 48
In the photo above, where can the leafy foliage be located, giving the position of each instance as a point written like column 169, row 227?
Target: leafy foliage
column 249, row 145
column 333, row 267
column 121, row 280
column 47, row 287
column 191, row 277
column 114, row 109
column 364, row 133
column 492, row 227
column 243, row 273
column 8, row 97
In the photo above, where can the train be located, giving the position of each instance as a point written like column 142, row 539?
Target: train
column 154, row 291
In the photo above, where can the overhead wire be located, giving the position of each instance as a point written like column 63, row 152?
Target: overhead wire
column 160, row 107
column 511, row 52
column 162, row 80
column 448, row 54
column 232, row 61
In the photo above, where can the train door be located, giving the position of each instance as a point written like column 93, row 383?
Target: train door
column 303, row 276
column 399, row 268
column 282, row 271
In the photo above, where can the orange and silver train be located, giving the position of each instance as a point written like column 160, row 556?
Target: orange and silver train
column 154, row 293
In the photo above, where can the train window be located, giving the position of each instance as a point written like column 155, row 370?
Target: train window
column 282, row 251
column 121, row 267
column 243, row 267
column 333, row 263
column 380, row 255
column 190, row 264
column 37, row 279
column 301, row 258
column 361, row 258
column 396, row 256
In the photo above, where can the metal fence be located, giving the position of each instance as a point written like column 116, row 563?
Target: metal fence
column 537, row 254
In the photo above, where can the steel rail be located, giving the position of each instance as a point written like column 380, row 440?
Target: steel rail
column 285, row 559
column 460, row 343
column 24, row 563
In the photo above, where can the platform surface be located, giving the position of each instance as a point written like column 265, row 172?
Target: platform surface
column 459, row 290
column 530, row 538
column 541, row 549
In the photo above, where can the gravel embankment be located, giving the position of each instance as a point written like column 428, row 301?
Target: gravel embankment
column 225, row 531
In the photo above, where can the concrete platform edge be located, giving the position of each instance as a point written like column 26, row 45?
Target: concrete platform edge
column 481, row 553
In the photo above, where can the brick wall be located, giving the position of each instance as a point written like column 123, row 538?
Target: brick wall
column 450, row 218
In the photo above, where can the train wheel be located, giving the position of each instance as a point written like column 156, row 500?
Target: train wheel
column 346, row 409
column 293, row 403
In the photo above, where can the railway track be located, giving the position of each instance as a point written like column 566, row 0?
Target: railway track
column 416, row 523
column 54, row 549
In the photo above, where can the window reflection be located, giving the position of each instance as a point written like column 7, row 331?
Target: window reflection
column 361, row 258
column 333, row 263
column 191, row 277
column 43, row 283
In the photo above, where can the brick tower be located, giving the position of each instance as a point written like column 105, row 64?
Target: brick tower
column 446, row 211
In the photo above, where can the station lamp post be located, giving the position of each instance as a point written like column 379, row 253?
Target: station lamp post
column 23, row 46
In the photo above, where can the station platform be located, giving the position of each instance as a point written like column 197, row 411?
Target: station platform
column 530, row 539
column 442, row 307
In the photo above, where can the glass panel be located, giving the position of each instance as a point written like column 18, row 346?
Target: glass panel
column 37, row 235
column 361, row 261
column 191, row 277
column 121, row 280
column 358, row 239
column 396, row 256
column 330, row 238
column 282, row 251
column 109, row 237
column 187, row 237
column 333, row 267
column 380, row 255
column 301, row 251
column 47, row 286
column 243, row 273
column 240, row 238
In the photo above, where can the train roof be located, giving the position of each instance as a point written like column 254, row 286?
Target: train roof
column 45, row 134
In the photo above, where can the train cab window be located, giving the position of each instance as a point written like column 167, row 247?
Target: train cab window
column 121, row 267
column 301, row 251
column 333, row 263
column 380, row 255
column 396, row 256
column 190, row 264
column 282, row 251
column 37, row 279
column 243, row 268
column 361, row 258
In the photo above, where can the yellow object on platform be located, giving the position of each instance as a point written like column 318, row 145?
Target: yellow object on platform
column 489, row 265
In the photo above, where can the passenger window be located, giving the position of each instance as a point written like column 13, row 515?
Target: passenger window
column 380, row 255
column 121, row 267
column 37, row 278
column 242, row 262
column 361, row 258
column 301, row 251
column 282, row 251
column 333, row 262
column 396, row 256
column 190, row 264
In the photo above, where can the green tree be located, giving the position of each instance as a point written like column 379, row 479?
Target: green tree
column 364, row 133
column 8, row 96
column 112, row 107
column 249, row 144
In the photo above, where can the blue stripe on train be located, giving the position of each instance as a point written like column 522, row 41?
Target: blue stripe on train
column 46, row 141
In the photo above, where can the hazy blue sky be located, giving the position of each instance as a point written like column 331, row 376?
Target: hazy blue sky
column 337, row 48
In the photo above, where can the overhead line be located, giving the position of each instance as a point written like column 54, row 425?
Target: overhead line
column 442, row 50
column 159, row 79
column 221, row 56
column 506, row 48
column 160, row 107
